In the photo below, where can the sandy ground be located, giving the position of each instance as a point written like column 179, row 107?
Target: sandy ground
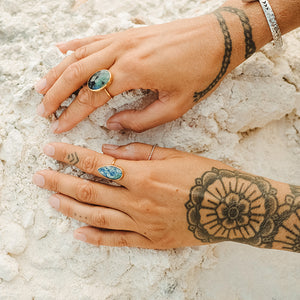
column 251, row 122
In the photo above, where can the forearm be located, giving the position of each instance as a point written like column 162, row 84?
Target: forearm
column 286, row 12
column 239, row 207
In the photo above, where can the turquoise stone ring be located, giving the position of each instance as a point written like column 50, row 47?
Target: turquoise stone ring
column 111, row 171
column 99, row 81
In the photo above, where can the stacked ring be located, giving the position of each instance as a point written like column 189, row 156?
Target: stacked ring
column 100, row 81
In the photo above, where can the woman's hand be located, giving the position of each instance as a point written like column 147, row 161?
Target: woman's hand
column 174, row 200
column 147, row 211
column 183, row 60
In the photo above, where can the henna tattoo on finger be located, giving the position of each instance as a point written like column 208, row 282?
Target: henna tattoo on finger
column 73, row 158
column 249, row 44
column 231, row 205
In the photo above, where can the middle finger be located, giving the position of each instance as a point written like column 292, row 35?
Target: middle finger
column 97, row 216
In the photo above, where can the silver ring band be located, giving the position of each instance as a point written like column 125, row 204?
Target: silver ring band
column 271, row 19
column 152, row 151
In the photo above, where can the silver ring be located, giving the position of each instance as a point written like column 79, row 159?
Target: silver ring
column 152, row 151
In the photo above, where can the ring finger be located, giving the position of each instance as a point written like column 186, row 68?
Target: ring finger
column 87, row 101
column 73, row 78
column 97, row 216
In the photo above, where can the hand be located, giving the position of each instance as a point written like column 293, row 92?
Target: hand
column 176, row 59
column 174, row 200
column 147, row 211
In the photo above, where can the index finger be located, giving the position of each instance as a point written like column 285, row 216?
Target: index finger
column 91, row 162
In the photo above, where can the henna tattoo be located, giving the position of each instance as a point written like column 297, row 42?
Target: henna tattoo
column 226, row 58
column 230, row 205
column 249, row 43
column 73, row 158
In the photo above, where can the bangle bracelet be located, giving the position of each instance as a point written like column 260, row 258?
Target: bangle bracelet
column 275, row 30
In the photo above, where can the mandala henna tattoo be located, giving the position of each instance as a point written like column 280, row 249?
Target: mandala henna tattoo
column 249, row 43
column 230, row 205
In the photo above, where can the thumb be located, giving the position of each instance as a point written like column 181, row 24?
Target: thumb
column 157, row 113
column 139, row 151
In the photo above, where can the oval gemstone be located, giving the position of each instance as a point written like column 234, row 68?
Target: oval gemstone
column 111, row 172
column 99, row 80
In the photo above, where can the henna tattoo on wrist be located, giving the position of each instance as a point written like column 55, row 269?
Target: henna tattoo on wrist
column 231, row 205
column 73, row 158
column 249, row 43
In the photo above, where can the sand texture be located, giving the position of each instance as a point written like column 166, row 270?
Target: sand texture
column 252, row 122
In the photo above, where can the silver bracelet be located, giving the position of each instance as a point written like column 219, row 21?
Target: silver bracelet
column 276, row 33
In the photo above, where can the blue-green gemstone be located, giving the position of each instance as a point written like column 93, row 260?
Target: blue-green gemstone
column 111, row 172
column 99, row 80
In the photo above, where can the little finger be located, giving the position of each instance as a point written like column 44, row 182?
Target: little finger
column 97, row 216
column 114, row 238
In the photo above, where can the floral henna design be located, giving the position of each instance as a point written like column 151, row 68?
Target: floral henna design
column 230, row 205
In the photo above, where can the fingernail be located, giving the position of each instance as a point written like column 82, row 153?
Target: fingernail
column 54, row 126
column 54, row 202
column 40, row 85
column 49, row 150
column 38, row 180
column 80, row 236
column 41, row 110
column 109, row 147
column 114, row 126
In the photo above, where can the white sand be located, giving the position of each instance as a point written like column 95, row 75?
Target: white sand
column 251, row 122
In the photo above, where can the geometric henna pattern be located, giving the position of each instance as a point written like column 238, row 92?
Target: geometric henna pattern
column 230, row 205
column 249, row 43
column 73, row 158
column 226, row 58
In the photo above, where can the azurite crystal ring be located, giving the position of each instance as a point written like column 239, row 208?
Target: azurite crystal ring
column 100, row 81
column 112, row 171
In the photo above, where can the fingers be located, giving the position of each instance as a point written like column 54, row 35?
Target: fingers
column 157, row 113
column 139, row 151
column 53, row 75
column 73, row 78
column 83, row 190
column 100, row 237
column 86, row 102
column 77, row 43
column 97, row 216
column 87, row 160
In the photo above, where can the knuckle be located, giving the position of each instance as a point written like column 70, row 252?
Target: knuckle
column 53, row 74
column 98, row 241
column 89, row 164
column 122, row 242
column 99, row 220
column 85, row 98
column 54, row 182
column 80, row 53
column 135, row 124
column 73, row 73
column 76, row 42
column 85, row 192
